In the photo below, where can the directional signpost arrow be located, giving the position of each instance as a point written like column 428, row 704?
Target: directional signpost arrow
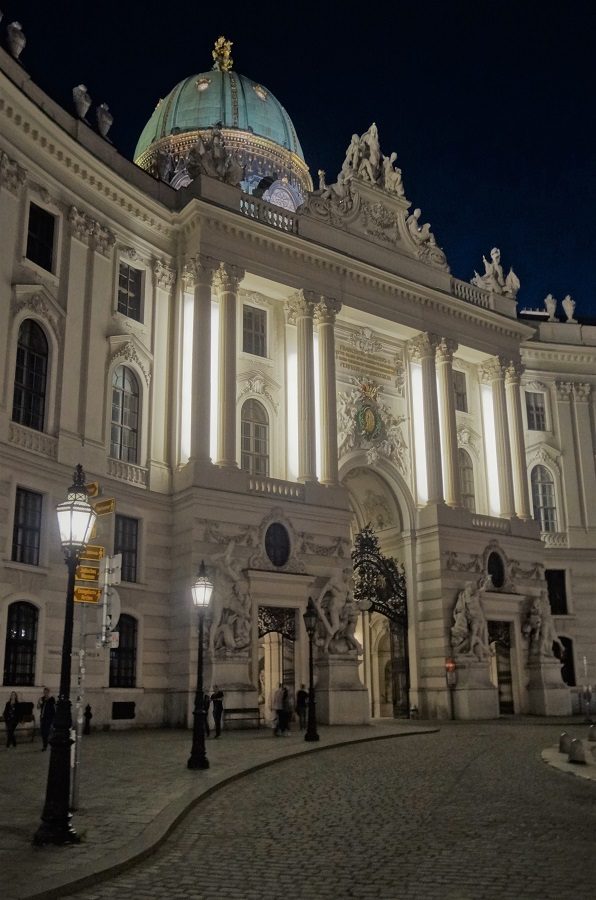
column 93, row 552
column 104, row 507
column 87, row 594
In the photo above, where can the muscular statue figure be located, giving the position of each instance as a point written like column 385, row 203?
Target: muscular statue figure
column 231, row 605
column 469, row 633
column 539, row 628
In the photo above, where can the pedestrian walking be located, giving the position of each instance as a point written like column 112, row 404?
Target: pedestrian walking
column 217, row 698
column 277, row 705
column 301, row 706
column 206, row 705
column 286, row 712
column 11, row 719
column 47, row 707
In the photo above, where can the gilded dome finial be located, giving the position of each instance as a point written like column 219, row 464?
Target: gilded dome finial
column 221, row 54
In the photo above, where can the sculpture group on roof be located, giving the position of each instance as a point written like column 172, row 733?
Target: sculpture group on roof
column 208, row 156
column 493, row 279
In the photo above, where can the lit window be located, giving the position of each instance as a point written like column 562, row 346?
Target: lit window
column 459, row 389
column 26, row 531
column 254, row 331
column 129, row 291
column 123, row 659
column 40, row 237
column 125, row 415
column 255, row 438
column 126, row 542
column 466, row 478
column 29, row 398
column 536, row 410
column 543, row 498
column 21, row 644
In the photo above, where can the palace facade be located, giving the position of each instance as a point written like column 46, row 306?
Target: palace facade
column 257, row 371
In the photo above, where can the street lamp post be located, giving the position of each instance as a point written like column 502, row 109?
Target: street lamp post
column 201, row 595
column 310, row 621
column 75, row 520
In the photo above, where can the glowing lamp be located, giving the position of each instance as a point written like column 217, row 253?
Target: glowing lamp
column 76, row 517
column 202, row 589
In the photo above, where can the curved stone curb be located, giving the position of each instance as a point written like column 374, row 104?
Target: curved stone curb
column 552, row 757
column 168, row 819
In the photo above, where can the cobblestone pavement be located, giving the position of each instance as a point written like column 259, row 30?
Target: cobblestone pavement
column 470, row 813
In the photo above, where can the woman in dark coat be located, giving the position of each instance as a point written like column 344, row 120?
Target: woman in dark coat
column 11, row 719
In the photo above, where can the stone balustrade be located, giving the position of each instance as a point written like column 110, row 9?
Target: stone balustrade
column 30, row 439
column 127, row 472
column 268, row 214
column 491, row 523
column 274, row 487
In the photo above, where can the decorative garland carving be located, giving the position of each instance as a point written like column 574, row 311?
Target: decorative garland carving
column 256, row 384
column 163, row 275
column 365, row 341
column 127, row 353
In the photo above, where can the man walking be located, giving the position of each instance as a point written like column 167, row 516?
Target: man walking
column 47, row 707
column 217, row 701
column 301, row 706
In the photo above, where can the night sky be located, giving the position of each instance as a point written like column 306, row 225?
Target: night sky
column 490, row 106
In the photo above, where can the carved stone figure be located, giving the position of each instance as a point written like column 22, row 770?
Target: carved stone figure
column 165, row 165
column 81, row 99
column 105, row 119
column 493, row 279
column 231, row 606
column 369, row 168
column 392, row 181
column 540, row 630
column 16, row 38
column 469, row 632
column 420, row 233
column 568, row 305
column 208, row 156
column 338, row 616
column 550, row 305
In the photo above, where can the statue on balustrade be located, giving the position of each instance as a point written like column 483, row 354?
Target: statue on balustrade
column 493, row 279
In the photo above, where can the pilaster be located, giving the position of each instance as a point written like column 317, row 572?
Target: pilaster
column 227, row 281
column 517, row 444
column 325, row 313
column 301, row 309
column 422, row 350
column 493, row 373
column 444, row 361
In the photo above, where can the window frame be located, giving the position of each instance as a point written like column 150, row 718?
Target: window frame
column 119, row 547
column 119, row 666
column 29, row 370
column 37, row 548
column 528, row 392
column 555, row 506
column 251, row 454
column 33, row 654
column 461, row 450
column 253, row 334
column 141, row 270
column 49, row 275
column 119, row 424
column 459, row 373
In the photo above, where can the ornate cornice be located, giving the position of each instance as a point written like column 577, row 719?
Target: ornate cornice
column 423, row 345
column 163, row 275
column 513, row 373
column 300, row 305
column 227, row 278
column 326, row 310
column 581, row 391
column 91, row 232
column 445, row 350
column 564, row 390
column 493, row 370
column 12, row 175
column 199, row 269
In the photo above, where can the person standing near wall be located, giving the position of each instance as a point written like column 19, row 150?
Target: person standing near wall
column 11, row 719
column 47, row 707
column 217, row 698
column 301, row 706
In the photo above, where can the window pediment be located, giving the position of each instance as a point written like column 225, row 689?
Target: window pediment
column 125, row 348
column 37, row 299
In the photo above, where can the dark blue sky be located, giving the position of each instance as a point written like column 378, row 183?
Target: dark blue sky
column 489, row 105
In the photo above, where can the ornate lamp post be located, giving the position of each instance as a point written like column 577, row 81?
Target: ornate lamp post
column 201, row 595
column 310, row 621
column 75, row 521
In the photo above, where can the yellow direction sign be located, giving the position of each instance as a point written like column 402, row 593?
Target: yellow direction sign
column 87, row 573
column 92, row 489
column 87, row 594
column 104, row 507
column 93, row 551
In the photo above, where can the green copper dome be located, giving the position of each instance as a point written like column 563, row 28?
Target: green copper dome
column 227, row 98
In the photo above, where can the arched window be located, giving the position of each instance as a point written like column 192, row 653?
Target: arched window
column 21, row 644
column 123, row 659
column 466, row 479
column 29, row 398
column 125, row 415
column 543, row 498
column 255, row 438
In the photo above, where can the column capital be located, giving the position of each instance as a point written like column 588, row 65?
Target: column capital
column 445, row 350
column 164, row 276
column 581, row 391
column 423, row 345
column 227, row 278
column 493, row 370
column 300, row 305
column 513, row 372
column 564, row 390
column 326, row 310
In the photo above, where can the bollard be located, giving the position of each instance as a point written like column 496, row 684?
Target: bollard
column 592, row 733
column 88, row 716
column 577, row 752
column 564, row 742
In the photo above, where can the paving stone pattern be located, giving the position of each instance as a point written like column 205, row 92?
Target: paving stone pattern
column 470, row 813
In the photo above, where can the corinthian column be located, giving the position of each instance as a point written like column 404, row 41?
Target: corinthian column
column 227, row 280
column 516, row 436
column 301, row 310
column 422, row 350
column 444, row 359
column 326, row 312
column 493, row 373
column 199, row 272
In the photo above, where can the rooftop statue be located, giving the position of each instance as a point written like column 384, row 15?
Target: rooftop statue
column 221, row 53
column 493, row 279
column 82, row 100
column 208, row 156
column 568, row 305
column 16, row 38
column 550, row 304
column 392, row 181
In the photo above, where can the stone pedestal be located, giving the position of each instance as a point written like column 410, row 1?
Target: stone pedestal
column 342, row 699
column 230, row 672
column 475, row 696
column 548, row 695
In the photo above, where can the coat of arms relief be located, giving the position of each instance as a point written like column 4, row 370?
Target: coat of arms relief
column 365, row 422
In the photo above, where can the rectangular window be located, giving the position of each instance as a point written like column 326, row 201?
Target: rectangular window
column 129, row 291
column 536, row 409
column 26, row 533
column 557, row 591
column 459, row 389
column 126, row 542
column 40, row 237
column 254, row 331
